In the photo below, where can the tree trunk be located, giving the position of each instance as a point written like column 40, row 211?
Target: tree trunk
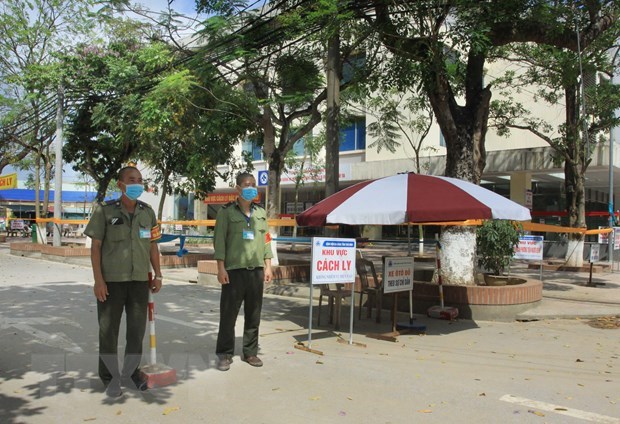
column 270, row 153
column 332, row 144
column 332, row 148
column 574, row 178
column 458, row 259
column 46, row 181
column 295, row 213
column 464, row 129
column 276, row 167
column 298, row 182
column 102, row 186
column 37, row 184
column 575, row 207
column 164, row 192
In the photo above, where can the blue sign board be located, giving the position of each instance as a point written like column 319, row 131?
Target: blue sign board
column 263, row 178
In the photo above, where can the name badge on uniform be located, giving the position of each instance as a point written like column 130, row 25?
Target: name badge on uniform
column 248, row 235
column 145, row 233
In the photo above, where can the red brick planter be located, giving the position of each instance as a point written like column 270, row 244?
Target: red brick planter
column 26, row 249
column 479, row 302
column 186, row 261
column 528, row 292
column 78, row 254
column 64, row 250
column 285, row 277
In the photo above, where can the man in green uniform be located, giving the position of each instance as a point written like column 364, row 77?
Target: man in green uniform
column 124, row 235
column 243, row 253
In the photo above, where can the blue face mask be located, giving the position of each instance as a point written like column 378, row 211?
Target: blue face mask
column 133, row 191
column 249, row 193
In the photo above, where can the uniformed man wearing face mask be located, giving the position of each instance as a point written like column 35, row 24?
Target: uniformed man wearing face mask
column 243, row 253
column 124, row 235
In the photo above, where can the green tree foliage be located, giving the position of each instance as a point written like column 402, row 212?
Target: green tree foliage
column 495, row 243
column 283, row 80
column 102, row 129
column 34, row 33
column 191, row 112
column 140, row 100
column 276, row 57
column 558, row 74
column 451, row 43
column 397, row 117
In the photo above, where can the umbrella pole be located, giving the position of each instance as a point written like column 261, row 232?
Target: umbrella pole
column 402, row 327
column 310, row 318
column 421, row 236
column 394, row 308
column 408, row 239
column 410, row 306
column 441, row 311
column 352, row 315
column 439, row 282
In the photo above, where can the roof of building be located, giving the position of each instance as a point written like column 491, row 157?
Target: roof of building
column 27, row 195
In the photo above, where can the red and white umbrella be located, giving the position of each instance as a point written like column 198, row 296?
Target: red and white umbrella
column 411, row 198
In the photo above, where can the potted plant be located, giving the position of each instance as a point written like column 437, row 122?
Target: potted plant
column 495, row 243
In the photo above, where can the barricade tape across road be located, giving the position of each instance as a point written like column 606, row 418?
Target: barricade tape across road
column 192, row 223
column 527, row 226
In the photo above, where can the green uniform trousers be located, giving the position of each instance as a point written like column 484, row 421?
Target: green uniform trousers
column 132, row 297
column 245, row 286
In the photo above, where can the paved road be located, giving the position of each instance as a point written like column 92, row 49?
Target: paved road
column 546, row 371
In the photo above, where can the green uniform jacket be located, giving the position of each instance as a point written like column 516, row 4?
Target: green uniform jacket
column 230, row 244
column 125, row 240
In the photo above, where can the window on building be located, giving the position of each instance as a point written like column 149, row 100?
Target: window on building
column 184, row 207
column 592, row 80
column 299, row 147
column 354, row 63
column 353, row 136
column 442, row 140
column 252, row 148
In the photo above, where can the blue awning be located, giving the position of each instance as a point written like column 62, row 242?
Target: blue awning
column 27, row 195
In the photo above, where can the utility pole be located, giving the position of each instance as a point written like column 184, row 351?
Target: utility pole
column 610, row 237
column 612, row 145
column 60, row 116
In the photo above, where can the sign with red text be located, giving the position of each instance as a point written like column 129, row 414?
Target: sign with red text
column 530, row 248
column 595, row 253
column 529, row 199
column 333, row 260
column 17, row 224
column 8, row 181
column 603, row 238
column 223, row 198
column 398, row 274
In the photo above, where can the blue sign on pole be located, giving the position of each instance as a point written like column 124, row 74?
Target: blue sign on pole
column 263, row 178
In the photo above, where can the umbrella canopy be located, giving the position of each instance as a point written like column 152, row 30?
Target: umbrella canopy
column 406, row 198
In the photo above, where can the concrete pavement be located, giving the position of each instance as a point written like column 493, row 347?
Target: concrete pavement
column 565, row 294
column 551, row 370
column 568, row 295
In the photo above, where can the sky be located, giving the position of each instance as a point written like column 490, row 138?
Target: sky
column 183, row 6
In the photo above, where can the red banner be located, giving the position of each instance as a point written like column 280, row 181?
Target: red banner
column 223, row 198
